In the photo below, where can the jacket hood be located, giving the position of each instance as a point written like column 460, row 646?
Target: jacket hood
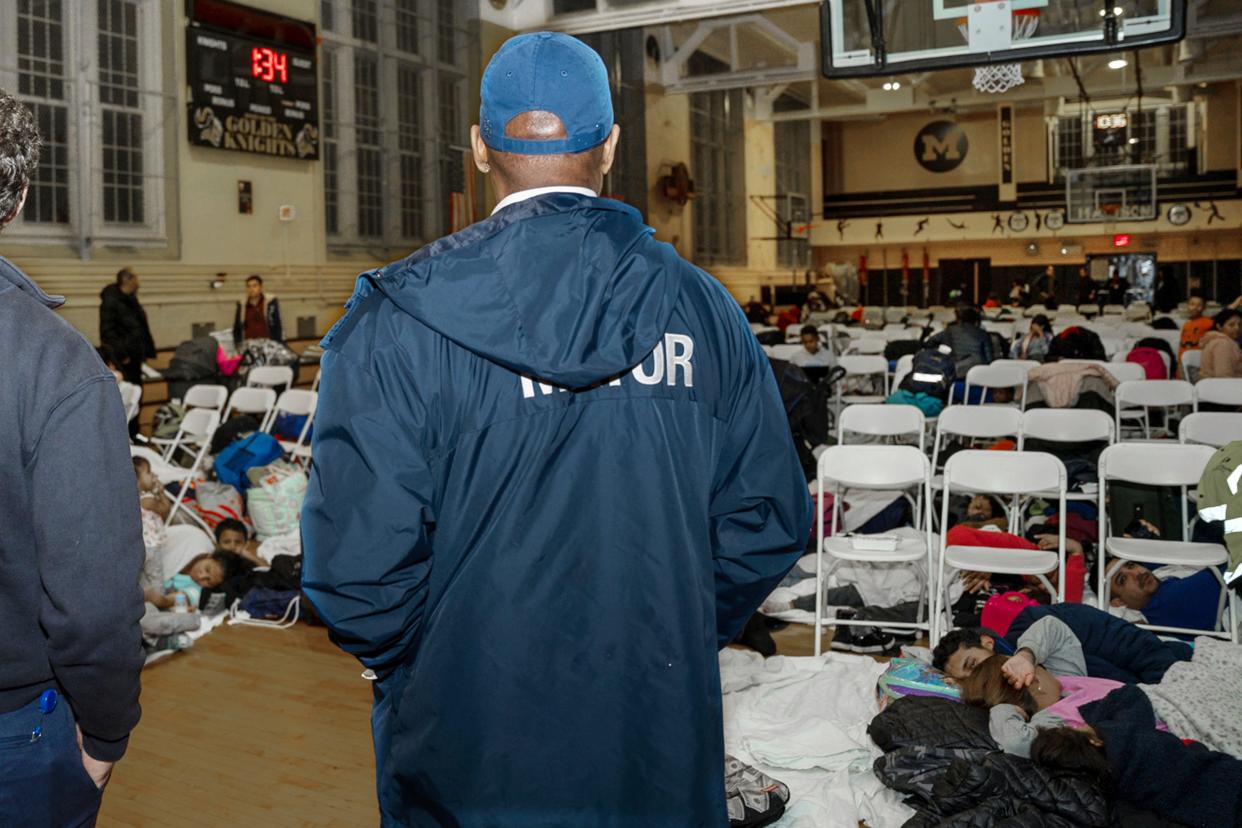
column 564, row 288
column 1212, row 336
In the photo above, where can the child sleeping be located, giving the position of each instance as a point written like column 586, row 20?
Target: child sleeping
column 1196, row 699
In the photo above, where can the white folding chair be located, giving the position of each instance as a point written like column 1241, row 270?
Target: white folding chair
column 1035, row 310
column 1121, row 371
column 881, row 421
column 785, row 351
column 194, row 433
column 1089, row 310
column 206, row 396
column 1147, row 394
column 1112, row 345
column 200, row 424
column 1012, row 473
column 256, row 401
column 883, row 468
column 270, row 376
column 1067, row 425
column 992, row 377
column 1005, row 329
column 793, row 334
column 131, row 399
column 867, row 345
column 905, row 364
column 858, row 369
column 1218, row 391
column 299, row 403
column 211, row 397
column 1160, row 464
column 1025, row 364
column 318, row 377
column 1001, row 473
column 1113, row 310
column 973, row 423
column 1211, row 428
column 1191, row 361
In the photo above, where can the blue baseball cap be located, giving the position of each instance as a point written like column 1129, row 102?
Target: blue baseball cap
column 552, row 72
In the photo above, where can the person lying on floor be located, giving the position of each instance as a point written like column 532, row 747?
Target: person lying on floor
column 1196, row 699
column 1121, row 750
column 1072, row 639
column 232, row 538
column 203, row 572
column 1189, row 602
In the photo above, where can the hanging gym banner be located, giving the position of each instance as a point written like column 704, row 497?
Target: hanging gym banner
column 1008, row 187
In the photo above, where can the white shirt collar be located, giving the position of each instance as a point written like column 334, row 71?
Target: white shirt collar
column 522, row 195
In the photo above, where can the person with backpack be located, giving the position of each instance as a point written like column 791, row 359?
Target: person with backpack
column 71, row 536
column 968, row 341
column 553, row 476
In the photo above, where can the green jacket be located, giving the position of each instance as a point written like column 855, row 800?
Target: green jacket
column 1220, row 498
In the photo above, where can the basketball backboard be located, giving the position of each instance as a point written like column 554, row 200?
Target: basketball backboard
column 866, row 38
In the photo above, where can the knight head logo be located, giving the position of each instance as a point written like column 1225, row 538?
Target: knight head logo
column 940, row 146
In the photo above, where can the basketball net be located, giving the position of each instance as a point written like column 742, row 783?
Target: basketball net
column 1001, row 77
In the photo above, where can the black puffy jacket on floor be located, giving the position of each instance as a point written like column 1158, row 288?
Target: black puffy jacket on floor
column 940, row 754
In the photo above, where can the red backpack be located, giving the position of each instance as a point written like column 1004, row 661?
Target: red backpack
column 1152, row 362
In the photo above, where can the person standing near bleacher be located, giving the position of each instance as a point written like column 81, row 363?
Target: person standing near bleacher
column 71, row 546
column 553, row 475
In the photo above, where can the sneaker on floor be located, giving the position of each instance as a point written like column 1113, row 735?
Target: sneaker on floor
column 869, row 643
column 754, row 799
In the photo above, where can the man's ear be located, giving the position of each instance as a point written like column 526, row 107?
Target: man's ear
column 610, row 149
column 479, row 150
column 988, row 643
column 1114, row 601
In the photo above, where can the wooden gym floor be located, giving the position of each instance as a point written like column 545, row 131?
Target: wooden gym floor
column 264, row 728
column 249, row 727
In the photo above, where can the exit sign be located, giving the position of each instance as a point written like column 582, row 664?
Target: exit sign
column 1121, row 240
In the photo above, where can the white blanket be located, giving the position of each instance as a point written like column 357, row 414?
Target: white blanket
column 804, row 722
column 880, row 584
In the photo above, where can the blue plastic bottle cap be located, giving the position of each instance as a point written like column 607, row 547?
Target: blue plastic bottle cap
column 47, row 702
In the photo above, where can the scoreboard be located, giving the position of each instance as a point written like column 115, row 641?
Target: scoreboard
column 252, row 80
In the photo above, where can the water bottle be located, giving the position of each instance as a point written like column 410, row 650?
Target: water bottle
column 180, row 604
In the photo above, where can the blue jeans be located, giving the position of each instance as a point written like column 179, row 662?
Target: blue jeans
column 42, row 781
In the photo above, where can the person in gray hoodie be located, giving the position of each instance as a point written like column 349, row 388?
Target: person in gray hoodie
column 70, row 543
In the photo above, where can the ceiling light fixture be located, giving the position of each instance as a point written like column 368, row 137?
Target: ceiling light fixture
column 1133, row 140
column 1118, row 63
column 892, row 86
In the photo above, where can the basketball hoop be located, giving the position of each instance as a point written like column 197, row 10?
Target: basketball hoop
column 1001, row 77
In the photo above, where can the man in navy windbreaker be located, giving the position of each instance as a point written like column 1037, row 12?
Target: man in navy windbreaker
column 553, row 476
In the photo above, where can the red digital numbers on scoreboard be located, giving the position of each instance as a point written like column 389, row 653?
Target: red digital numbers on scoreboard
column 269, row 65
